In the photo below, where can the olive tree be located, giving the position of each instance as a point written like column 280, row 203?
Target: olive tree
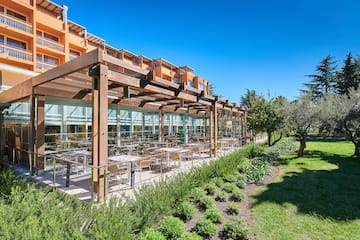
column 300, row 116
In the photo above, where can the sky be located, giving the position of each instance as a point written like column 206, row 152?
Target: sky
column 267, row 46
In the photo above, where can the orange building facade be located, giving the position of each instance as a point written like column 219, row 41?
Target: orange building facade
column 36, row 35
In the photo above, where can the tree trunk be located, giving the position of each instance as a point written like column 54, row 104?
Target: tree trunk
column 357, row 148
column 302, row 147
column 277, row 140
column 269, row 139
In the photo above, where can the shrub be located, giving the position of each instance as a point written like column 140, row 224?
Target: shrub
column 241, row 180
column 210, row 188
column 221, row 196
column 206, row 202
column 214, row 215
column 197, row 193
column 237, row 195
column 254, row 150
column 256, row 170
column 151, row 234
column 205, row 228
column 232, row 209
column 172, row 227
column 185, row 211
column 191, row 236
column 230, row 187
column 218, row 181
column 235, row 229
column 230, row 178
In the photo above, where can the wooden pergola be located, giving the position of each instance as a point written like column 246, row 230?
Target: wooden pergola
column 104, row 80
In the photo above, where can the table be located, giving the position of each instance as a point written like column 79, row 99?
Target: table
column 128, row 159
column 171, row 150
column 76, row 154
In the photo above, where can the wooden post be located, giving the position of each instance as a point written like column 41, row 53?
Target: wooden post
column 31, row 133
column 2, row 137
column 215, row 126
column 40, row 133
column 211, row 130
column 162, row 126
column 99, row 129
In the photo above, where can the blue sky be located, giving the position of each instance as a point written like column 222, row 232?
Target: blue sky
column 268, row 46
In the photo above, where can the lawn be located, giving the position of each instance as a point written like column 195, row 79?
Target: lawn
column 315, row 197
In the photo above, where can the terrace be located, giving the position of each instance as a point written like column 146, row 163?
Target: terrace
column 174, row 129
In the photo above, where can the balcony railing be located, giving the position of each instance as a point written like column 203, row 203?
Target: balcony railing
column 51, row 44
column 45, row 66
column 71, row 56
column 14, row 23
column 15, row 53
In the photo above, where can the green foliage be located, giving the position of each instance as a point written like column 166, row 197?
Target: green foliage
column 229, row 187
column 218, row 181
column 233, row 209
column 151, row 234
column 206, row 202
column 237, row 195
column 222, row 196
column 210, row 188
column 255, row 170
column 214, row 215
column 235, row 229
column 230, row 177
column 172, row 227
column 205, row 228
column 241, row 180
column 185, row 211
column 253, row 150
column 197, row 193
column 191, row 236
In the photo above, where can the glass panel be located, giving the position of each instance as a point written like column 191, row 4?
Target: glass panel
column 51, row 37
column 15, row 43
column 51, row 60
column 2, row 39
column 74, row 53
column 190, row 83
column 39, row 57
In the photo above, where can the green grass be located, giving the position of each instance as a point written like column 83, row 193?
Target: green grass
column 315, row 197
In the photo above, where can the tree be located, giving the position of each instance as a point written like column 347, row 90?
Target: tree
column 348, row 77
column 301, row 115
column 248, row 98
column 341, row 111
column 265, row 116
column 212, row 89
column 324, row 81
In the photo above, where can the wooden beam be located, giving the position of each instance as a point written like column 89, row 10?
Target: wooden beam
column 162, row 126
column 215, row 125
column 18, row 92
column 67, row 68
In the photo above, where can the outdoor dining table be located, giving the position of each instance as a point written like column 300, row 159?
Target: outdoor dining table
column 169, row 150
column 132, row 159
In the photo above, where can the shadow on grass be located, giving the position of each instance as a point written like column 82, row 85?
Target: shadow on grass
column 326, row 193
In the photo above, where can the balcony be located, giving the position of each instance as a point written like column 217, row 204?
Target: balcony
column 44, row 66
column 14, row 23
column 15, row 53
column 50, row 44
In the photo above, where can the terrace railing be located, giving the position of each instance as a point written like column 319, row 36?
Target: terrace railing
column 14, row 23
column 15, row 53
column 50, row 44
column 44, row 66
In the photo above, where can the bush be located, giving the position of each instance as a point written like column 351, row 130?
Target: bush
column 151, row 234
column 214, row 215
column 191, row 236
column 205, row 228
column 230, row 187
column 210, row 188
column 172, row 227
column 206, row 202
column 218, row 181
column 237, row 195
column 185, row 211
column 253, row 150
column 197, row 193
column 241, row 180
column 235, row 229
column 232, row 209
column 255, row 170
column 230, row 178
column 221, row 196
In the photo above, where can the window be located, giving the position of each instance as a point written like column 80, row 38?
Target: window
column 2, row 10
column 74, row 53
column 47, row 36
column 177, row 81
column 2, row 39
column 201, row 86
column 47, row 59
column 15, row 15
column 191, row 83
column 15, row 43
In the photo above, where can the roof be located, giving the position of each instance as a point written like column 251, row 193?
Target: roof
column 50, row 6
column 80, row 30
column 95, row 39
